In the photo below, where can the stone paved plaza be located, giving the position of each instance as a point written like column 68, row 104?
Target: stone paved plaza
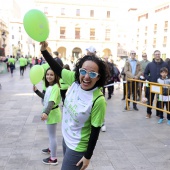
column 131, row 142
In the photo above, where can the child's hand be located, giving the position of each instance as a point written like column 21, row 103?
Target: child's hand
column 44, row 45
column 44, row 116
column 34, row 88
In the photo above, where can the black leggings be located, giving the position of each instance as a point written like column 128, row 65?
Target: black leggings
column 22, row 70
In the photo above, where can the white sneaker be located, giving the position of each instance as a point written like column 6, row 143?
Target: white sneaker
column 103, row 128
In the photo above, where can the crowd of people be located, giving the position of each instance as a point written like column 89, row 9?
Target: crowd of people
column 156, row 71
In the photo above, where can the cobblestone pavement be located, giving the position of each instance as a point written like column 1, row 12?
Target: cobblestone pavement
column 131, row 142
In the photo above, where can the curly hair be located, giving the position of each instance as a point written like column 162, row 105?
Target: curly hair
column 103, row 69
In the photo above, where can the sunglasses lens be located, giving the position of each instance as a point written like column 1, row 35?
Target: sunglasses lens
column 83, row 72
column 93, row 75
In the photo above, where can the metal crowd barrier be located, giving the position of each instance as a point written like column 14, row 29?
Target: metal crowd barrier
column 149, row 88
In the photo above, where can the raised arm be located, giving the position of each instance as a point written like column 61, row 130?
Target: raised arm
column 53, row 64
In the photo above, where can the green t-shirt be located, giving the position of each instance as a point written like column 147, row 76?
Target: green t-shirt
column 78, row 114
column 11, row 60
column 25, row 61
column 53, row 94
column 63, row 85
column 22, row 61
column 30, row 60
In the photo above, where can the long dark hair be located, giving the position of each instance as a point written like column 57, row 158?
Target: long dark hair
column 56, row 79
column 103, row 69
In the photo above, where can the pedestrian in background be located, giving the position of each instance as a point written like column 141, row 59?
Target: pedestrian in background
column 11, row 62
column 133, row 70
column 144, row 63
column 151, row 74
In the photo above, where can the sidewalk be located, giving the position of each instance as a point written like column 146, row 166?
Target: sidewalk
column 131, row 142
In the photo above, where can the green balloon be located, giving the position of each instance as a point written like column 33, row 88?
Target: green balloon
column 36, row 74
column 36, row 25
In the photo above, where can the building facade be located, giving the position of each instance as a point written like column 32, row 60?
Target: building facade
column 153, row 31
column 75, row 26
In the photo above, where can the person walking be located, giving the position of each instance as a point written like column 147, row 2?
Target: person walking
column 133, row 70
column 11, row 62
column 22, row 65
column 51, row 113
column 110, row 80
column 84, row 108
column 151, row 74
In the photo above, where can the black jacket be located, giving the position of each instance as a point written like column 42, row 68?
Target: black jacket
column 152, row 70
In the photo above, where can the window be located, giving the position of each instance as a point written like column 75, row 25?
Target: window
column 155, row 27
column 19, row 29
column 77, row 12
column 165, row 40
column 145, row 42
column 166, row 25
column 91, row 13
column 92, row 33
column 146, row 29
column 154, row 42
column 45, row 10
column 108, row 14
column 77, row 33
column 107, row 35
column 62, row 11
column 62, row 32
column 12, row 36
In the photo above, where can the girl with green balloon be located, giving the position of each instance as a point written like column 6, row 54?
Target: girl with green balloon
column 51, row 113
